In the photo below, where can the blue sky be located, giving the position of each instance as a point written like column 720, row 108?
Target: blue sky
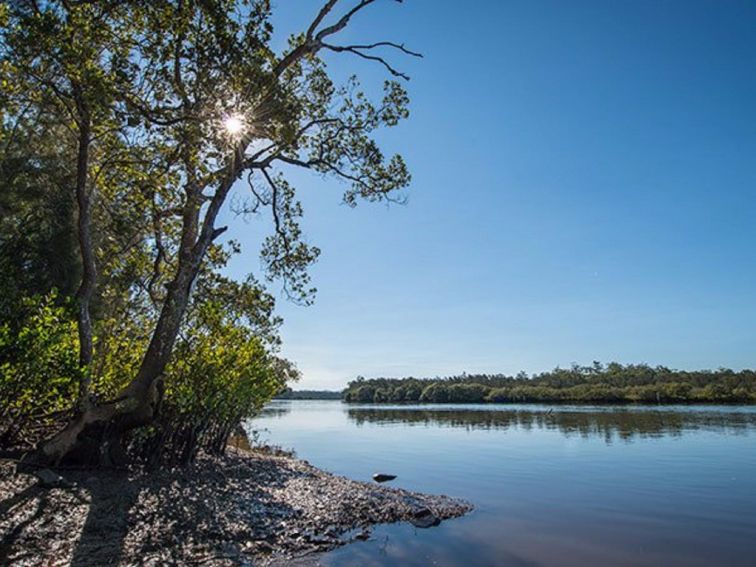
column 584, row 188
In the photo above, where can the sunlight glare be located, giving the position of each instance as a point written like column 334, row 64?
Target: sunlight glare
column 234, row 124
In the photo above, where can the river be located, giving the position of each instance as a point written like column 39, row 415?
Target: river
column 552, row 485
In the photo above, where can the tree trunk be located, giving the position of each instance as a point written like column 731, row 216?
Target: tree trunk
column 89, row 269
column 95, row 435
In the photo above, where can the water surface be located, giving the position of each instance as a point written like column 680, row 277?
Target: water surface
column 563, row 485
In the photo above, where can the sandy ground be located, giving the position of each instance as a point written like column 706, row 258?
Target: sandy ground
column 242, row 509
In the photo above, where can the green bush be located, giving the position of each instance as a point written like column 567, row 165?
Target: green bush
column 39, row 366
column 220, row 375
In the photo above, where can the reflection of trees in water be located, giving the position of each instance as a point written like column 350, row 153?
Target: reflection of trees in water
column 609, row 424
column 274, row 411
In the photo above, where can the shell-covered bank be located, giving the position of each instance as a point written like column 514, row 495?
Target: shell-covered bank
column 247, row 508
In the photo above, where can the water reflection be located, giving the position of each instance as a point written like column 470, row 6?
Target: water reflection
column 608, row 423
column 569, row 485
column 274, row 409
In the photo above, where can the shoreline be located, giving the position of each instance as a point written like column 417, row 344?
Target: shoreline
column 246, row 508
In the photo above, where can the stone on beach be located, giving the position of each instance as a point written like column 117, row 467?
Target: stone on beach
column 382, row 477
column 424, row 518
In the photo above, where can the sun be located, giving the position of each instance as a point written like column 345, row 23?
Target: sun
column 234, row 124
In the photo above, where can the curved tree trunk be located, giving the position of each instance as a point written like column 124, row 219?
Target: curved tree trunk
column 95, row 435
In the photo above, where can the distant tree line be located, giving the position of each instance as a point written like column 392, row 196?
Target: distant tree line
column 597, row 383
column 290, row 394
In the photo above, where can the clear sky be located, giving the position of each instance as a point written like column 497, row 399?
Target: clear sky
column 584, row 188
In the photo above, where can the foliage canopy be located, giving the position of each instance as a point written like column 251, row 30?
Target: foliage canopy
column 124, row 129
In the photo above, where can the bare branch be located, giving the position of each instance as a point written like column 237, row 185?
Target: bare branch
column 313, row 44
column 324, row 11
column 259, row 199
column 381, row 60
column 218, row 231
column 341, row 24
column 274, row 209
column 399, row 46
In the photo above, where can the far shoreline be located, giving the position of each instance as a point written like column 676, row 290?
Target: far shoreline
column 556, row 403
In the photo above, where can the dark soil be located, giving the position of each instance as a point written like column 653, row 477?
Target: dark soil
column 247, row 508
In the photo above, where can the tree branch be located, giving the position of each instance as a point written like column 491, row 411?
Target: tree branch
column 356, row 50
column 342, row 23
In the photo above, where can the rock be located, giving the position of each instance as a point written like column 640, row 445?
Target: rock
column 363, row 535
column 49, row 479
column 424, row 518
column 264, row 547
column 381, row 477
